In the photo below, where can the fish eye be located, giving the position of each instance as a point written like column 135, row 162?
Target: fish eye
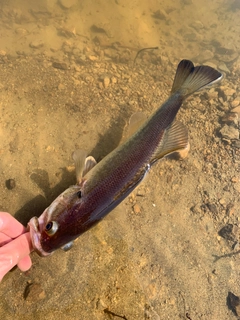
column 79, row 194
column 51, row 228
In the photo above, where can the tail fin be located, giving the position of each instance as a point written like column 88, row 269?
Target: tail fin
column 189, row 79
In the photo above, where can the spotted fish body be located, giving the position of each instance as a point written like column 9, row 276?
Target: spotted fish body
column 101, row 187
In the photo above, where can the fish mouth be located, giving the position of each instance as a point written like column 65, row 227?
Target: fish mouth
column 35, row 226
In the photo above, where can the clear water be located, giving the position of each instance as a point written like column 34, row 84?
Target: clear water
column 67, row 81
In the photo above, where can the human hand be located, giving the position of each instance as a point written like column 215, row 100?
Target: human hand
column 15, row 245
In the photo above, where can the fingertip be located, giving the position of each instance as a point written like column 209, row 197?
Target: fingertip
column 10, row 226
column 25, row 264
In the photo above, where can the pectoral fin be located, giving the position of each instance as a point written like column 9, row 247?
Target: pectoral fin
column 67, row 246
column 83, row 164
column 175, row 139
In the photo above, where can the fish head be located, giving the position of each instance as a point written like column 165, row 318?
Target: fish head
column 55, row 228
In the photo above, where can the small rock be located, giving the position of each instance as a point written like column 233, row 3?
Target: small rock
column 234, row 179
column 10, row 184
column 196, row 209
column 160, row 14
column 60, row 65
column 235, row 103
column 197, row 25
column 222, row 201
column 92, row 58
column 106, row 82
column 36, row 44
column 226, row 93
column 61, row 86
column 237, row 186
column 114, row 80
column 236, row 110
column 21, row 31
column 231, row 118
column 227, row 232
column 213, row 208
column 3, row 53
column 235, row 246
column 229, row 132
column 136, row 208
column 229, row 92
column 34, row 292
column 236, row 144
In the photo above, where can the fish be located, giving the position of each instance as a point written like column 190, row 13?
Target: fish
column 104, row 185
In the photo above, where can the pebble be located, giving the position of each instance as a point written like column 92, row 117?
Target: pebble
column 34, row 292
column 234, row 179
column 237, row 186
column 231, row 118
column 61, row 86
column 113, row 80
column 222, row 201
column 3, row 53
column 106, row 82
column 226, row 93
column 136, row 208
column 92, row 58
column 227, row 232
column 236, row 144
column 10, row 184
column 160, row 14
column 235, row 103
column 229, row 92
column 213, row 208
column 235, row 245
column 197, row 25
column 228, row 132
column 21, row 31
column 36, row 44
column 196, row 209
column 60, row 65
column 236, row 109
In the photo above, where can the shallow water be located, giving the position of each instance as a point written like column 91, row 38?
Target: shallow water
column 67, row 81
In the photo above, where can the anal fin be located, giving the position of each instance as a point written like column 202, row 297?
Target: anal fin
column 175, row 139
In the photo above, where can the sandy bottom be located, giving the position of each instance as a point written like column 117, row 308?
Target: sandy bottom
column 160, row 254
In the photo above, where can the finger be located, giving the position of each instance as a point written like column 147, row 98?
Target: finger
column 13, row 252
column 10, row 226
column 4, row 239
column 25, row 263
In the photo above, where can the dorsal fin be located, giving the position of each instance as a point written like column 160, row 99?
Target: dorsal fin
column 134, row 123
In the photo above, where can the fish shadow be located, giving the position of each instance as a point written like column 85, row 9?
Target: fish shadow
column 38, row 204
column 112, row 137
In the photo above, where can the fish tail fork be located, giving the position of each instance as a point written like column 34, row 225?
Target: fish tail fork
column 189, row 79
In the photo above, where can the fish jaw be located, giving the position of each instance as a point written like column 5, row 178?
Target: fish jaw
column 36, row 226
